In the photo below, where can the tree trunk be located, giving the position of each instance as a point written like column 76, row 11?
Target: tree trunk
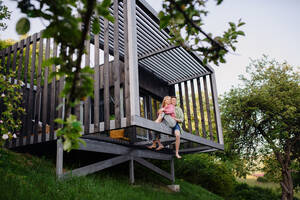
column 287, row 182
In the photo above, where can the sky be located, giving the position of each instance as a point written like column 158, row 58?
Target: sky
column 272, row 28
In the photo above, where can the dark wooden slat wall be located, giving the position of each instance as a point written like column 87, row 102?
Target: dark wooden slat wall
column 116, row 66
column 37, row 107
column 52, row 100
column 31, row 102
column 45, row 91
column 106, row 77
column 195, row 108
column 201, row 108
column 96, row 84
column 207, row 108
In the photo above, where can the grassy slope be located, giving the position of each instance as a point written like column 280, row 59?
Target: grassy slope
column 26, row 177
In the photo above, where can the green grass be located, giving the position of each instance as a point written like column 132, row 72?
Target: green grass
column 274, row 186
column 23, row 176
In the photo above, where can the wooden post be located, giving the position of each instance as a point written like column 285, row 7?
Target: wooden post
column 131, row 60
column 172, row 171
column 195, row 108
column 131, row 170
column 59, row 158
column 216, row 108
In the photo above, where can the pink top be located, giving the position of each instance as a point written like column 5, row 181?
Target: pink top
column 170, row 110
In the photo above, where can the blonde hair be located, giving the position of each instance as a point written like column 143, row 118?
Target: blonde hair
column 164, row 101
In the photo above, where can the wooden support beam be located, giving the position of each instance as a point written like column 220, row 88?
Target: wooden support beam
column 131, row 170
column 59, row 158
column 172, row 170
column 187, row 103
column 154, row 168
column 97, row 166
column 106, row 147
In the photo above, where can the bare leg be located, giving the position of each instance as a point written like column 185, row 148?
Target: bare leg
column 159, row 119
column 177, row 143
column 160, row 145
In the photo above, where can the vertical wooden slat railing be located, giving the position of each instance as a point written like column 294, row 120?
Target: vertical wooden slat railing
column 96, row 83
column 187, row 105
column 86, row 121
column 207, row 108
column 106, row 77
column 30, row 102
column 8, row 59
column 116, row 65
column 198, row 112
column 45, row 92
column 201, row 108
column 181, row 103
column 52, row 100
column 20, row 66
column 216, row 109
column 126, row 63
column 195, row 108
column 25, row 124
column 37, row 110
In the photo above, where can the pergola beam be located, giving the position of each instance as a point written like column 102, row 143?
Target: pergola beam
column 164, row 49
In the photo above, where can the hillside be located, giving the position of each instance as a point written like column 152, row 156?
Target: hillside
column 24, row 176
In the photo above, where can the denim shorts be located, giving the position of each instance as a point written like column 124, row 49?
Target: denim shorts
column 176, row 127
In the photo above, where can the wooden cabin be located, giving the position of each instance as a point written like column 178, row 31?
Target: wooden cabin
column 135, row 66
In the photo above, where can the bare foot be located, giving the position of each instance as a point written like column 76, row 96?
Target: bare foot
column 178, row 156
column 153, row 146
column 160, row 147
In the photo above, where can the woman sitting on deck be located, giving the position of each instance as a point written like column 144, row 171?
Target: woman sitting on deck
column 167, row 109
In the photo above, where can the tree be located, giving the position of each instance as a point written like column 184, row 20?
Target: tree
column 4, row 14
column 262, row 116
column 185, row 19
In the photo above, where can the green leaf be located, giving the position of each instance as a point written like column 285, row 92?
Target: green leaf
column 95, row 25
column 23, row 26
column 240, row 33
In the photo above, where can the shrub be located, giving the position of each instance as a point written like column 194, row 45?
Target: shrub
column 207, row 171
column 246, row 192
column 10, row 107
column 262, row 179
